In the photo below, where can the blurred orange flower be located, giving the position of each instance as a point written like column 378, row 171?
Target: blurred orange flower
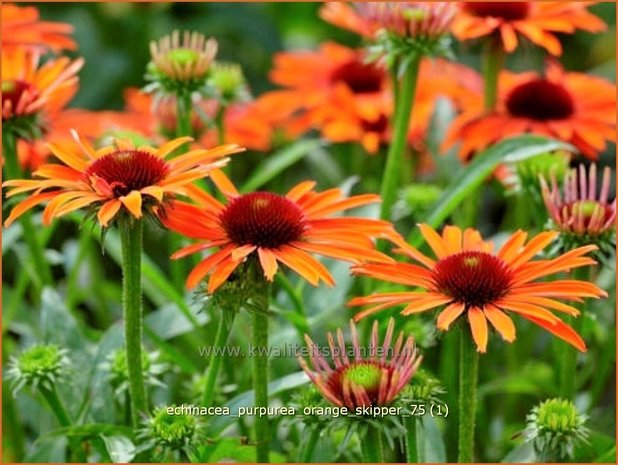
column 469, row 279
column 276, row 229
column 573, row 107
column 21, row 28
column 29, row 88
column 537, row 21
column 118, row 175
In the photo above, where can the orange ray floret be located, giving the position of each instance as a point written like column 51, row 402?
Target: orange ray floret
column 573, row 107
column 275, row 229
column 115, row 178
column 536, row 21
column 469, row 281
column 21, row 28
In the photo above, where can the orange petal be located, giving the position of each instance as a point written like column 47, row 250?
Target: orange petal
column 241, row 252
column 172, row 145
column 300, row 189
column 434, row 240
column 561, row 330
column 268, row 261
column 204, row 267
column 153, row 191
column 478, row 326
column 223, row 183
column 452, row 238
column 534, row 246
column 26, row 205
column 501, row 321
column 222, row 271
column 133, row 202
column 448, row 315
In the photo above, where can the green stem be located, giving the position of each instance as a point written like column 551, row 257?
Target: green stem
column 216, row 358
column 372, row 446
column 401, row 123
column 220, row 123
column 314, row 436
column 72, row 279
column 568, row 362
column 13, row 171
column 183, row 114
column 411, row 440
column 493, row 61
column 468, row 377
column 261, row 301
column 131, row 239
column 56, row 405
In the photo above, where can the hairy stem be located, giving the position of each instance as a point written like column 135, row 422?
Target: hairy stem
column 468, row 377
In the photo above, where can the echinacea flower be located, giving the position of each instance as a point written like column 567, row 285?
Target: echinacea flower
column 572, row 107
column 468, row 280
column 180, row 63
column 275, row 228
column 580, row 211
column 537, row 21
column 31, row 92
column 412, row 19
column 362, row 378
column 22, row 28
column 115, row 178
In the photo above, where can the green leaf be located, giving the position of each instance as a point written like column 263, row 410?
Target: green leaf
column 246, row 399
column 119, row 448
column 523, row 453
column 229, row 450
column 278, row 162
column 484, row 163
column 433, row 450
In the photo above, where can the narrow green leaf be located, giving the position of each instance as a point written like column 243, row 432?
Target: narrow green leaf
column 484, row 163
column 278, row 162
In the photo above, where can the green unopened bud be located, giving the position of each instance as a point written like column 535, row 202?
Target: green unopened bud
column 39, row 365
column 119, row 372
column 549, row 165
column 228, row 81
column 423, row 388
column 555, row 427
column 135, row 138
column 170, row 432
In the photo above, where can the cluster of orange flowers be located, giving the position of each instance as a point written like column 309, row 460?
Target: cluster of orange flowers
column 336, row 91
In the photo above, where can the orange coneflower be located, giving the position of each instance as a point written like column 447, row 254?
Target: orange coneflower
column 116, row 176
column 28, row 89
column 275, row 228
column 466, row 278
column 537, row 21
column 411, row 19
column 573, row 107
column 359, row 379
column 21, row 28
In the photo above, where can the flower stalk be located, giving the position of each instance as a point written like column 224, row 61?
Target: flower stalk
column 261, row 303
column 493, row 61
column 411, row 439
column 131, row 240
column 468, row 377
column 216, row 358
column 372, row 445
column 403, row 112
column 312, row 441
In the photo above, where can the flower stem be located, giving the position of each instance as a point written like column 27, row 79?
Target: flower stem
column 314, row 436
column 468, row 376
column 568, row 362
column 372, row 446
column 216, row 358
column 402, row 114
column 183, row 114
column 493, row 60
column 220, row 123
column 131, row 239
column 13, row 171
column 411, row 440
column 55, row 404
column 261, row 302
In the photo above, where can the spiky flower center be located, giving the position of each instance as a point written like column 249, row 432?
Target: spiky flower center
column 263, row 219
column 558, row 415
column 473, row 278
column 128, row 170
column 173, row 431
column 588, row 209
column 540, row 100
column 360, row 77
column 365, row 374
column 13, row 91
column 182, row 56
column 510, row 11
